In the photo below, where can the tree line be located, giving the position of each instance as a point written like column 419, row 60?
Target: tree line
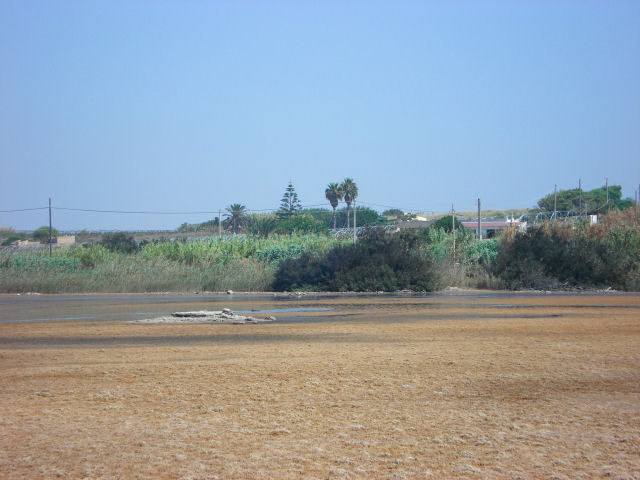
column 291, row 217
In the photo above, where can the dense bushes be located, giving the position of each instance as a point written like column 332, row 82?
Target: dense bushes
column 42, row 234
column 547, row 256
column 378, row 261
column 119, row 242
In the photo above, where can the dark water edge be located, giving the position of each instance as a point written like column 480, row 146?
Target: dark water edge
column 294, row 308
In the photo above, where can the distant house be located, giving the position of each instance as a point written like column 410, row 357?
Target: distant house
column 24, row 244
column 491, row 228
column 59, row 241
column 66, row 240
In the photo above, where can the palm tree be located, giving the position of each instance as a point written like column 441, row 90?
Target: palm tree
column 334, row 194
column 350, row 192
column 237, row 215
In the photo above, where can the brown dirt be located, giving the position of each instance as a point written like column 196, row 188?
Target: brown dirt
column 450, row 387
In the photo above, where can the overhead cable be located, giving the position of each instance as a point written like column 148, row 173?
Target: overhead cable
column 23, row 210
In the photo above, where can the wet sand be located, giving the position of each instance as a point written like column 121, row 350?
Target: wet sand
column 452, row 386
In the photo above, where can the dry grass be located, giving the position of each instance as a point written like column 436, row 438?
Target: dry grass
column 407, row 388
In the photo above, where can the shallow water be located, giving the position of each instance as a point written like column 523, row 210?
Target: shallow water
column 128, row 307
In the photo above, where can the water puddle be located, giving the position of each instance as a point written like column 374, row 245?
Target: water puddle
column 285, row 310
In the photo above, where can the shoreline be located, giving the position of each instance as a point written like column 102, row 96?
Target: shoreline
column 401, row 293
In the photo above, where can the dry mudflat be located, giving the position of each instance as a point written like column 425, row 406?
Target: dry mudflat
column 460, row 386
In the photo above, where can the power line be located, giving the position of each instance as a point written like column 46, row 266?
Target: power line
column 141, row 212
column 152, row 212
column 23, row 210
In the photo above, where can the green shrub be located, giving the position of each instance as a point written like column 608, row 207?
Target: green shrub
column 277, row 253
column 544, row 257
column 12, row 238
column 119, row 242
column 445, row 223
column 90, row 257
column 482, row 252
column 42, row 234
column 302, row 224
column 379, row 261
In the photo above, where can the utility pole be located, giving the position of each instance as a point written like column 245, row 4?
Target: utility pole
column 220, row 224
column 453, row 229
column 354, row 220
column 49, row 226
column 607, row 184
column 479, row 236
column 555, row 202
column 580, row 201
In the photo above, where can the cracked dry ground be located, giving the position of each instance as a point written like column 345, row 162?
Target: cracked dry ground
column 391, row 391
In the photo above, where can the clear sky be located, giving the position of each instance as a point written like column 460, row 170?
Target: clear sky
column 194, row 105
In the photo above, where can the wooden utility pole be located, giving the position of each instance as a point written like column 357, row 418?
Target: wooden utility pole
column 607, row 184
column 220, row 224
column 50, row 226
column 580, row 201
column 479, row 236
column 354, row 220
column 555, row 201
column 453, row 229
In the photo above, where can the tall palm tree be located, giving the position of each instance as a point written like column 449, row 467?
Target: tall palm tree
column 333, row 192
column 350, row 192
column 237, row 215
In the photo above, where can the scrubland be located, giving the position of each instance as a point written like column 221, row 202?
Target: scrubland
column 548, row 256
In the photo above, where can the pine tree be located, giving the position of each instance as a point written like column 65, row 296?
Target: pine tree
column 290, row 204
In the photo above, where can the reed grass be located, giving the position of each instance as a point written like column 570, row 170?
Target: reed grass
column 244, row 264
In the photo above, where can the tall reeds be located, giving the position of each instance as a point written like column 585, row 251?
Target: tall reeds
column 245, row 264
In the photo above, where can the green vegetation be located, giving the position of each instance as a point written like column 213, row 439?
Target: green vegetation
column 378, row 261
column 364, row 216
column 208, row 226
column 9, row 235
column 236, row 216
column 446, row 223
column 42, row 234
column 593, row 201
column 393, row 212
column 119, row 242
column 293, row 250
column 554, row 255
column 397, row 214
column 350, row 193
column 289, row 204
column 334, row 194
column 262, row 225
column 302, row 224
column 604, row 255
column 246, row 264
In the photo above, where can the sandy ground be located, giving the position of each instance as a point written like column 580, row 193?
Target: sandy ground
column 535, row 387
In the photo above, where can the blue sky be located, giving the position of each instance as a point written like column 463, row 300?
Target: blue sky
column 194, row 105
